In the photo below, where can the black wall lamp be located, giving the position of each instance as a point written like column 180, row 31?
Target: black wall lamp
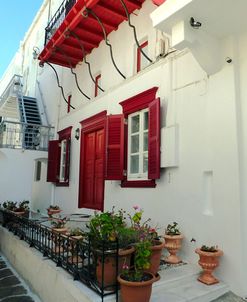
column 77, row 133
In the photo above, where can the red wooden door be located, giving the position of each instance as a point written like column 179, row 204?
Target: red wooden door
column 93, row 175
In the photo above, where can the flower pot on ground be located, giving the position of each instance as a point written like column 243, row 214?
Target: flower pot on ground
column 173, row 243
column 58, row 225
column 53, row 210
column 136, row 291
column 209, row 261
column 156, row 252
column 108, row 231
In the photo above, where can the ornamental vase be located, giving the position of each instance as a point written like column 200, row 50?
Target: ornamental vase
column 173, row 245
column 208, row 261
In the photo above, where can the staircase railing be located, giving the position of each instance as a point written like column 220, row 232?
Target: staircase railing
column 17, row 135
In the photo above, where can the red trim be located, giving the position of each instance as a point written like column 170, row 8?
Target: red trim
column 138, row 183
column 96, row 88
column 53, row 161
column 69, row 103
column 90, row 123
column 139, row 56
column 64, row 134
column 139, row 101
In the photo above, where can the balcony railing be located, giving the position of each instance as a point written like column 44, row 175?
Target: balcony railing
column 17, row 135
column 58, row 18
column 79, row 257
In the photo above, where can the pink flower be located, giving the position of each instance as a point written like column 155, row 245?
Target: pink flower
column 125, row 266
column 136, row 207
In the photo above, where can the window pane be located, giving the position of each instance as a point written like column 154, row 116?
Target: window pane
column 134, row 166
column 145, row 141
column 135, row 143
column 145, row 163
column 145, row 121
column 135, row 124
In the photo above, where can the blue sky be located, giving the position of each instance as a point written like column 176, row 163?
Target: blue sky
column 15, row 18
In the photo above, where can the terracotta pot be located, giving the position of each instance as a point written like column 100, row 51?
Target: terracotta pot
column 155, row 257
column 75, row 260
column 107, row 271
column 208, row 261
column 158, row 2
column 19, row 213
column 51, row 211
column 136, row 291
column 60, row 230
column 57, row 249
column 173, row 245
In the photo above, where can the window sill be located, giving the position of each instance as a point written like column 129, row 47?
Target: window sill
column 62, row 184
column 138, row 183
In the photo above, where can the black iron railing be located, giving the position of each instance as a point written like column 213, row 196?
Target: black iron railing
column 58, row 18
column 80, row 257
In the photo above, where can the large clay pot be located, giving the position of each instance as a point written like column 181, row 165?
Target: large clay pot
column 155, row 257
column 106, row 271
column 158, row 2
column 208, row 261
column 173, row 245
column 136, row 291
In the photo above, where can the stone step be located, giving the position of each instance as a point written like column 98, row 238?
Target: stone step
column 180, row 284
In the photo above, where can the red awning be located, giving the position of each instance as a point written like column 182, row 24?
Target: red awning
column 64, row 48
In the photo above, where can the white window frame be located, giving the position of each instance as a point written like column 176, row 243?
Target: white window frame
column 63, row 154
column 140, row 175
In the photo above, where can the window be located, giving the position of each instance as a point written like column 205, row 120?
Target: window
column 138, row 145
column 141, row 60
column 133, row 146
column 59, row 158
column 38, row 170
column 97, row 84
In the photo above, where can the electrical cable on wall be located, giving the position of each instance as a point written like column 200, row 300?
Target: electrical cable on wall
column 58, row 84
column 84, row 57
column 105, row 38
column 72, row 71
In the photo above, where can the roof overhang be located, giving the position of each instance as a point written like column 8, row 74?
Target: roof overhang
column 64, row 49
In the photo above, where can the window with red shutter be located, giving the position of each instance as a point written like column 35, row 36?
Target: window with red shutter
column 59, row 158
column 142, row 139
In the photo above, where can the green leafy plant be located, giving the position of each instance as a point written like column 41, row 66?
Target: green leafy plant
column 55, row 207
column 172, row 229
column 10, row 205
column 59, row 223
column 76, row 232
column 146, row 236
column 210, row 249
column 23, row 206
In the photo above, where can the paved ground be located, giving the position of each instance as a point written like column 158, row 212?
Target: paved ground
column 229, row 297
column 12, row 287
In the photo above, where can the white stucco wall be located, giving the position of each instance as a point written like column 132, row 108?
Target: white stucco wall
column 206, row 192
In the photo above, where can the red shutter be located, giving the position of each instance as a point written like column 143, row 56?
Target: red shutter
column 115, row 147
column 154, row 140
column 53, row 161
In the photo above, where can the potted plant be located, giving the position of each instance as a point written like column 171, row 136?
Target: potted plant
column 173, row 239
column 209, row 260
column 136, row 282
column 76, row 235
column 144, row 230
column 58, row 225
column 107, row 231
column 23, row 208
column 53, row 210
column 9, row 205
